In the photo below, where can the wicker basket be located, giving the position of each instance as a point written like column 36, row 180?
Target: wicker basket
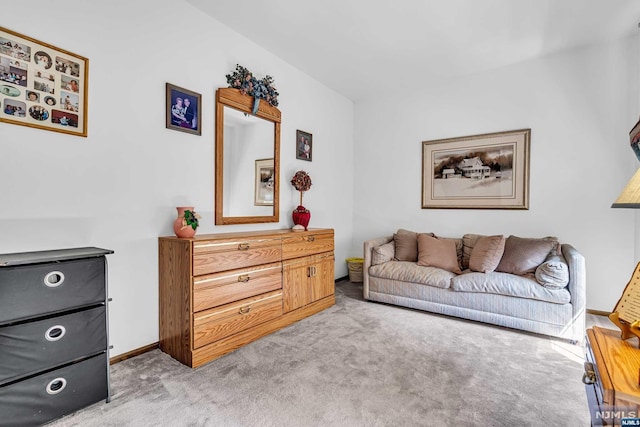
column 355, row 269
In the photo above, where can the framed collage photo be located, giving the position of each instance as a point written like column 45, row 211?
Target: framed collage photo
column 304, row 145
column 42, row 86
column 489, row 171
column 183, row 110
column 264, row 182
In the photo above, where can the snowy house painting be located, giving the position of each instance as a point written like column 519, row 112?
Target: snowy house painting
column 473, row 168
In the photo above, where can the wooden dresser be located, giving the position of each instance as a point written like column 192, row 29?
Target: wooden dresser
column 221, row 291
column 612, row 377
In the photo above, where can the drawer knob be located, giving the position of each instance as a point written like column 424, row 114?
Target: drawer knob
column 55, row 333
column 589, row 376
column 243, row 247
column 56, row 385
column 54, row 279
column 245, row 310
column 311, row 238
column 244, row 278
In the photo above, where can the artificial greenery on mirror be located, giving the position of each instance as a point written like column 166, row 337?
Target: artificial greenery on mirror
column 244, row 80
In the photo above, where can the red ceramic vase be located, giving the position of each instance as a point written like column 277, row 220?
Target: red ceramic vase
column 301, row 216
column 178, row 228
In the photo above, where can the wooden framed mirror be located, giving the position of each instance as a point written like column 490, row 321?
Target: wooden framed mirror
column 247, row 160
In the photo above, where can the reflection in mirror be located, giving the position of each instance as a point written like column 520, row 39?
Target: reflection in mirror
column 247, row 139
column 247, row 160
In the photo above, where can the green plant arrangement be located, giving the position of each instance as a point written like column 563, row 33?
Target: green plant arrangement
column 244, row 80
column 190, row 219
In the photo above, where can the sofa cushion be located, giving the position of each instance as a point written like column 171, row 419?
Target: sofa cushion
column 486, row 253
column 508, row 284
column 524, row 255
column 441, row 253
column 405, row 271
column 383, row 253
column 553, row 273
column 406, row 244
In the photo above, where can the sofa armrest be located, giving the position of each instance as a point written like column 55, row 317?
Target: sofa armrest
column 368, row 247
column 577, row 288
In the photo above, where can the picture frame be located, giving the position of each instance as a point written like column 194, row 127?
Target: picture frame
column 304, row 145
column 41, row 85
column 264, row 182
column 634, row 139
column 488, row 171
column 183, row 110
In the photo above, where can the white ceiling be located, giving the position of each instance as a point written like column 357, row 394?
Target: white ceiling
column 361, row 47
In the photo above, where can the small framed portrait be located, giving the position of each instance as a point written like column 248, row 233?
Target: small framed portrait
column 183, row 110
column 264, row 182
column 304, row 145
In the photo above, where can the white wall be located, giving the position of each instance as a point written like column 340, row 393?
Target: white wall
column 580, row 107
column 118, row 188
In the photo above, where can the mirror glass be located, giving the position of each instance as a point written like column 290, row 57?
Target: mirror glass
column 248, row 165
column 247, row 159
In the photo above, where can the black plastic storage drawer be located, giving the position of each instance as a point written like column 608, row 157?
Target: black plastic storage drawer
column 51, row 395
column 37, row 289
column 30, row 347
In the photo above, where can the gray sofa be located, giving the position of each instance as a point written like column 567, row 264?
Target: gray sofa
column 509, row 300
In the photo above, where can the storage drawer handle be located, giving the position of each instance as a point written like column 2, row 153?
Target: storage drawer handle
column 55, row 333
column 311, row 238
column 243, row 246
column 589, row 376
column 54, row 279
column 245, row 310
column 311, row 271
column 244, row 278
column 56, row 385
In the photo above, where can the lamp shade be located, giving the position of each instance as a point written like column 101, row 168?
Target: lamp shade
column 630, row 196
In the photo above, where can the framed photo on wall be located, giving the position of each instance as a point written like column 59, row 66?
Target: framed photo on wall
column 304, row 145
column 489, row 171
column 41, row 85
column 183, row 110
column 264, row 182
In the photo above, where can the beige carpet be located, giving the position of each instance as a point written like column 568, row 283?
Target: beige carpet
column 357, row 364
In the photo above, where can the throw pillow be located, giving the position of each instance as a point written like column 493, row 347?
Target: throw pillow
column 524, row 255
column 486, row 253
column 406, row 244
column 553, row 273
column 440, row 253
column 459, row 247
column 383, row 253
column 468, row 242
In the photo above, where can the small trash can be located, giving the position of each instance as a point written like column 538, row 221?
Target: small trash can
column 355, row 269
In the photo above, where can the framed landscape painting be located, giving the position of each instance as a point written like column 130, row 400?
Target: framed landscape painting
column 489, row 171
column 42, row 86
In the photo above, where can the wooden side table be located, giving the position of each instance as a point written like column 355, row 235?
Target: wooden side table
column 612, row 376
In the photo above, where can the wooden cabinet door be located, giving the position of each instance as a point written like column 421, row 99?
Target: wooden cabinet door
column 296, row 292
column 321, row 276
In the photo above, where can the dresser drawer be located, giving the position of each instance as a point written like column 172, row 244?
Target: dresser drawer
column 30, row 347
column 221, row 322
column 306, row 244
column 229, row 254
column 222, row 288
column 37, row 289
column 42, row 398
